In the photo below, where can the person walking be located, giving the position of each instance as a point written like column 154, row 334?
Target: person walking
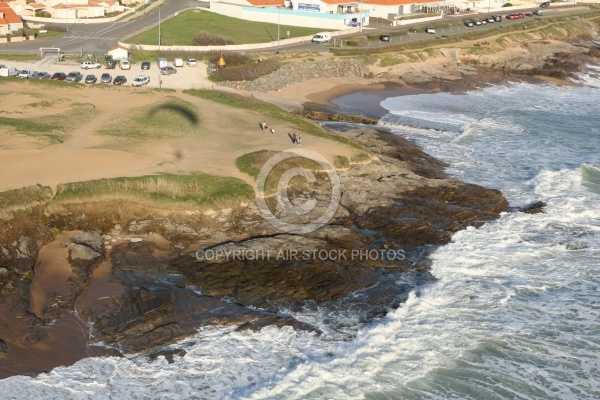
column 299, row 139
column 294, row 138
column 272, row 131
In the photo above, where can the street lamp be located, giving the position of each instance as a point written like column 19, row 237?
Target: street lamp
column 360, row 23
column 278, row 24
column 159, row 30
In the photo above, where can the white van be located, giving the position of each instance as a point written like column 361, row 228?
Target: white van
column 321, row 37
column 140, row 80
column 178, row 62
column 26, row 73
column 9, row 71
column 162, row 62
column 124, row 64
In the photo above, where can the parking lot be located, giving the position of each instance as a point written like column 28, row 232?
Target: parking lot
column 185, row 78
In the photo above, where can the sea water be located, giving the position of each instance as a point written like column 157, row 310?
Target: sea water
column 514, row 312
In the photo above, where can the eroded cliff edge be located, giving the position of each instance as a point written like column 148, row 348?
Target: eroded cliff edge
column 141, row 282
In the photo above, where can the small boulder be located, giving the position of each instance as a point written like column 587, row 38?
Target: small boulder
column 81, row 252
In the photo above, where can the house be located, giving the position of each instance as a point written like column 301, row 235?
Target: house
column 17, row 5
column 9, row 20
column 119, row 53
column 73, row 9
column 32, row 9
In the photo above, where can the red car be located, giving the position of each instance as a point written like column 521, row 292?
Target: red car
column 59, row 76
column 521, row 15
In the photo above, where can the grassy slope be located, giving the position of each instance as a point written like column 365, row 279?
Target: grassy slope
column 182, row 29
column 195, row 189
column 270, row 111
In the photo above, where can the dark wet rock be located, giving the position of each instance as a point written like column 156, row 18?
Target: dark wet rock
column 158, row 315
column 103, row 351
column 35, row 337
column 533, row 208
column 275, row 320
column 167, row 354
column 3, row 348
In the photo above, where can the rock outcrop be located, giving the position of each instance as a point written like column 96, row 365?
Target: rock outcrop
column 292, row 73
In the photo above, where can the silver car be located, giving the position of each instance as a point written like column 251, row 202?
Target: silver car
column 168, row 71
column 41, row 75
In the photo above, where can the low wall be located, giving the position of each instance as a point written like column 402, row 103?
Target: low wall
column 233, row 47
column 417, row 20
column 77, row 20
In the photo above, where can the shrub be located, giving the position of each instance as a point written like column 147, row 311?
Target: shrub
column 507, row 5
column 247, row 72
column 232, row 58
column 210, row 39
column 356, row 40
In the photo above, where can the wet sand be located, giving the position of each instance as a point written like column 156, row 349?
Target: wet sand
column 368, row 101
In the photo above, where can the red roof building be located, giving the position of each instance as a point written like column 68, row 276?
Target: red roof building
column 9, row 20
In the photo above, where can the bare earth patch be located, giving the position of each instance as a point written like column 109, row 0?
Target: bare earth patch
column 211, row 144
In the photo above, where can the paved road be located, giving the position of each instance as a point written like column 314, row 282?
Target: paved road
column 420, row 28
column 98, row 37
column 101, row 37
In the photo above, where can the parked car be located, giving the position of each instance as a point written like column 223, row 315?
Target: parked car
column 521, row 15
column 59, row 76
column 430, row 29
column 191, row 62
column 491, row 20
column 106, row 78
column 124, row 64
column 384, row 37
column 538, row 12
column 168, row 71
column 162, row 62
column 512, row 16
column 145, row 65
column 90, row 64
column 498, row 18
column 91, row 79
column 478, row 22
column 26, row 73
column 74, row 76
column 141, row 80
column 110, row 63
column 178, row 62
column 545, row 4
column 469, row 23
column 42, row 75
column 119, row 80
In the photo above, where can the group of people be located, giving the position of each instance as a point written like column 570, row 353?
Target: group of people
column 295, row 137
column 264, row 127
column 484, row 43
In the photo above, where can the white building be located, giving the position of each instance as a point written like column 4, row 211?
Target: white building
column 326, row 14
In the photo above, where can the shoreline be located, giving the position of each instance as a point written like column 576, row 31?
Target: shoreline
column 341, row 96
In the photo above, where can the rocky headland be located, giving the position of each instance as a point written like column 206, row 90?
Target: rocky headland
column 72, row 278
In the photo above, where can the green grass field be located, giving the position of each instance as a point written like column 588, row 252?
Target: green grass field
column 182, row 29
column 195, row 189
